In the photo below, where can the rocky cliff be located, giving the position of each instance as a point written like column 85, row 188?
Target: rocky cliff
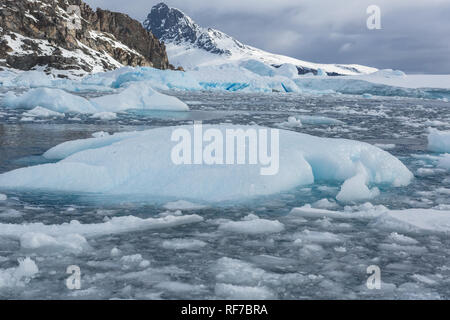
column 69, row 35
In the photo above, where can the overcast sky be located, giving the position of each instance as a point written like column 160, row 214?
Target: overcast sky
column 414, row 35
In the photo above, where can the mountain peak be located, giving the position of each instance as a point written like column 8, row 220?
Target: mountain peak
column 174, row 26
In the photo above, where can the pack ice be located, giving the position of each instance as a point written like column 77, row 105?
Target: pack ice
column 140, row 163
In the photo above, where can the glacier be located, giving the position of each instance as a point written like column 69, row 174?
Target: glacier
column 131, row 163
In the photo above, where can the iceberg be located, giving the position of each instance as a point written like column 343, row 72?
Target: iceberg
column 133, row 96
column 140, row 163
column 438, row 141
column 139, row 95
column 53, row 99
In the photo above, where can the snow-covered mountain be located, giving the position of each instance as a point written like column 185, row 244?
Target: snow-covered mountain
column 190, row 46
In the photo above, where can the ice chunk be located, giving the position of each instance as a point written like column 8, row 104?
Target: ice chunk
column 104, row 115
column 355, row 188
column 44, row 242
column 316, row 236
column 139, row 95
column 183, row 244
column 438, row 141
column 308, row 212
column 252, row 225
column 428, row 220
column 3, row 197
column 113, row 226
column 54, row 99
column 140, row 163
column 100, row 134
column 43, row 113
column 19, row 276
column 292, row 122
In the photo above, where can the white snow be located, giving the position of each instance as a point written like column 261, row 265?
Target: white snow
column 3, row 197
column 140, row 163
column 438, row 141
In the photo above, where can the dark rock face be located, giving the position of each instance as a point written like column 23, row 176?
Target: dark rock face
column 172, row 25
column 69, row 35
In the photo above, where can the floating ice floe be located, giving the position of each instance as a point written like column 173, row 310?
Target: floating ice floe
column 407, row 220
column 133, row 96
column 252, row 224
column 438, row 141
column 104, row 115
column 34, row 235
column 40, row 112
column 141, row 163
column 183, row 244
